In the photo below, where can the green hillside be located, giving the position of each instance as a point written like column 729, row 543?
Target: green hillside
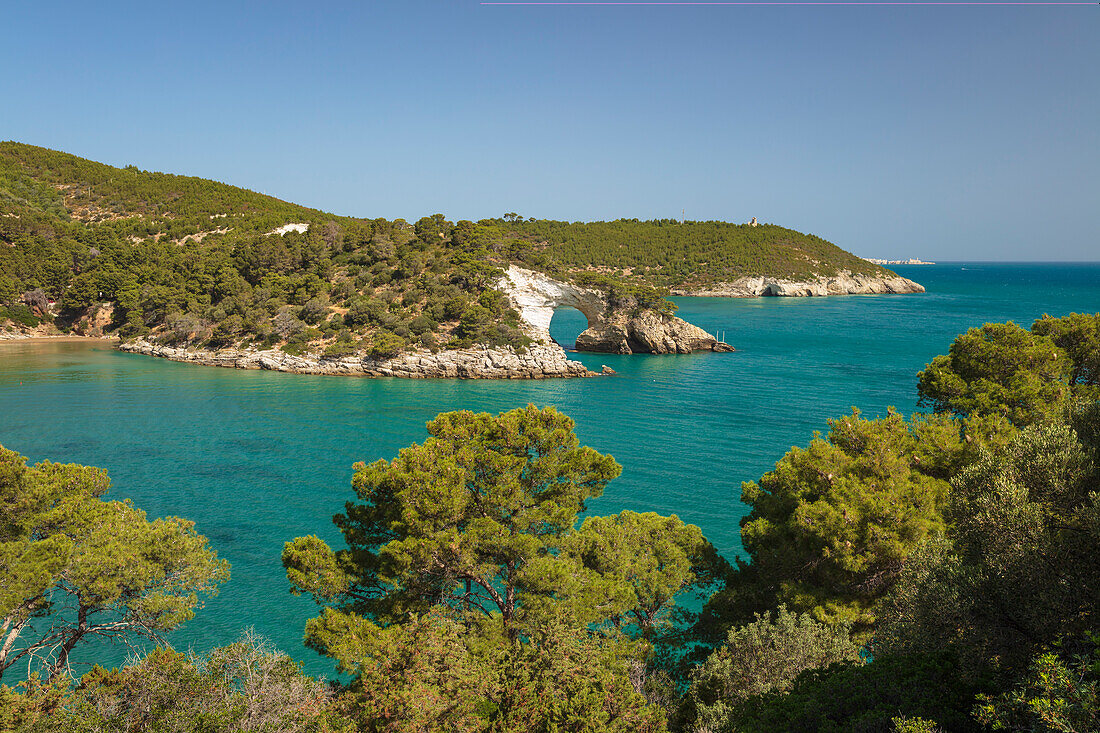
column 668, row 253
column 186, row 260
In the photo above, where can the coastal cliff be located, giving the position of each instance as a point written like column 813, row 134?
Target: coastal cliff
column 613, row 328
column 843, row 283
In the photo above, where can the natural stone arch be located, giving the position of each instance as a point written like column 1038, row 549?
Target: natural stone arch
column 567, row 326
column 624, row 331
column 537, row 296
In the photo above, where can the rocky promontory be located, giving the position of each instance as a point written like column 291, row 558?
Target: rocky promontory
column 612, row 329
column 615, row 326
column 539, row 361
column 843, row 283
column 648, row 332
column 533, row 294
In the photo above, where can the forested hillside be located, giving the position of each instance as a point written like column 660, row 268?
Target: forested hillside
column 183, row 260
column 668, row 253
column 188, row 260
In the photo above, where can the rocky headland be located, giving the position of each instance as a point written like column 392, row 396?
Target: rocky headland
column 232, row 277
column 539, row 361
column 534, row 295
column 612, row 329
column 843, row 283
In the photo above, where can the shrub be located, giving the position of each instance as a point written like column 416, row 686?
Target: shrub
column 314, row 309
column 183, row 327
column 422, row 324
column 288, row 325
column 864, row 697
column 454, row 307
column 228, row 331
column 386, row 344
column 339, row 349
column 1060, row 692
column 20, row 314
column 37, row 300
column 764, row 656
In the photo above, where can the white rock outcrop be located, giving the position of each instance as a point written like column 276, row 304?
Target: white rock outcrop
column 539, row 361
column 285, row 229
column 536, row 296
column 843, row 283
column 616, row 331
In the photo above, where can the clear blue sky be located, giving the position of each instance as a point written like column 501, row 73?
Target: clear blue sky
column 941, row 132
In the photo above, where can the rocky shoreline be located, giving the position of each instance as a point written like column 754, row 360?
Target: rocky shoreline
column 843, row 283
column 538, row 361
column 535, row 296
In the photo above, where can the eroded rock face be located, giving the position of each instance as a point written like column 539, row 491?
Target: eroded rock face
column 647, row 333
column 536, row 296
column 843, row 283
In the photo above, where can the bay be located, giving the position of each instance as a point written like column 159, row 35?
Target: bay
column 257, row 458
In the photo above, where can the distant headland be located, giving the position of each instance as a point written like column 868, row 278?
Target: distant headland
column 910, row 261
column 195, row 270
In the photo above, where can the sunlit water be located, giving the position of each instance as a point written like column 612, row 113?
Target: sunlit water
column 257, row 458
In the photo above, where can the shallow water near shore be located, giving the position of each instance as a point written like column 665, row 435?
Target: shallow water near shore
column 257, row 458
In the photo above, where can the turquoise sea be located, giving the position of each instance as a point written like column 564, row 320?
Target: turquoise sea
column 257, row 458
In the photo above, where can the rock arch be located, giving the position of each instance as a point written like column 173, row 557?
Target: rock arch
column 535, row 296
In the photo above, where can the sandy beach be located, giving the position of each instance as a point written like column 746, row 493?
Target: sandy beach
column 19, row 339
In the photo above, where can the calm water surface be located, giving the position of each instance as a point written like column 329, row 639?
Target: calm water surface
column 257, row 458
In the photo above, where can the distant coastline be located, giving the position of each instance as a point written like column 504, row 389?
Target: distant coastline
column 910, row 261
column 842, row 283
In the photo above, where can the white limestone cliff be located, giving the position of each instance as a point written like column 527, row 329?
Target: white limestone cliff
column 843, row 283
column 536, row 296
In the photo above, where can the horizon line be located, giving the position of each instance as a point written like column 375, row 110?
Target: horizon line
column 697, row 3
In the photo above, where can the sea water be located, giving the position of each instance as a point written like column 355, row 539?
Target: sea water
column 257, row 458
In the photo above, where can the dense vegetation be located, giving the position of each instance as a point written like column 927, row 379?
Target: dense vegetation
column 668, row 253
column 184, row 260
column 188, row 260
column 935, row 573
